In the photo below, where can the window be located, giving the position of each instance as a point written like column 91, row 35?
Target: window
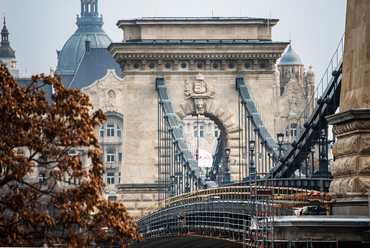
column 293, row 129
column 201, row 130
column 119, row 177
column 42, row 179
column 195, row 131
column 102, row 131
column 119, row 132
column 287, row 131
column 112, row 198
column 72, row 153
column 110, row 129
column 217, row 131
column 69, row 178
column 120, row 157
column 110, row 178
column 110, row 156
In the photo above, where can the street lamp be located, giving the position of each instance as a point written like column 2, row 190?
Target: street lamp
column 313, row 149
column 307, row 164
column 280, row 137
column 252, row 168
column 187, row 187
column 323, row 160
column 227, row 169
column 172, row 185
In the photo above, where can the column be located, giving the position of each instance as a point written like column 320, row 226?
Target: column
column 351, row 169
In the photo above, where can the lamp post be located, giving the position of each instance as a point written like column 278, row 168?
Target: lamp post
column 172, row 185
column 187, row 187
column 219, row 172
column 207, row 174
column 307, row 164
column 227, row 169
column 323, row 155
column 280, row 137
column 252, row 168
column 323, row 160
column 312, row 148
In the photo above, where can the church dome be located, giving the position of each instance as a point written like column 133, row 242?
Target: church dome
column 290, row 58
column 89, row 27
column 5, row 50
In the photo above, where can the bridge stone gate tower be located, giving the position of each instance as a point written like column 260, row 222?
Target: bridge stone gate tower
column 199, row 60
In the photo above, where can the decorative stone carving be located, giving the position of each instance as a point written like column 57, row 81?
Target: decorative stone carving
column 293, row 102
column 209, row 137
column 199, row 106
column 111, row 100
column 351, row 126
column 199, row 88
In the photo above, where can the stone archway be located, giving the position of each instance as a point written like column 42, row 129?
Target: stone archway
column 224, row 119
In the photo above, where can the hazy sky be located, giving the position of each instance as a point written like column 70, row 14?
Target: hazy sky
column 40, row 27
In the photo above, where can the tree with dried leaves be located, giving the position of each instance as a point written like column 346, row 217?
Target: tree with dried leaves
column 37, row 207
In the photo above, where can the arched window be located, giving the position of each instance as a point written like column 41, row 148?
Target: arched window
column 72, row 152
column 110, row 130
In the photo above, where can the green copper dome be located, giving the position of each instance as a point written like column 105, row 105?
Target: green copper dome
column 89, row 26
column 290, row 58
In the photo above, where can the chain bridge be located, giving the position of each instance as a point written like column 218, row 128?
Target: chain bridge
column 273, row 193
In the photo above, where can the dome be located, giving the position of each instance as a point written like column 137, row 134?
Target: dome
column 290, row 58
column 73, row 49
column 5, row 50
column 89, row 27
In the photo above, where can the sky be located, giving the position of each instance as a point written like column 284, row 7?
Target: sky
column 38, row 28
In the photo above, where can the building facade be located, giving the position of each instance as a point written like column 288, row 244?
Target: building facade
column 294, row 89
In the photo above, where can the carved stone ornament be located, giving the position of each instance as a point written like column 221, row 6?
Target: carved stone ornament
column 111, row 100
column 199, row 88
column 199, row 106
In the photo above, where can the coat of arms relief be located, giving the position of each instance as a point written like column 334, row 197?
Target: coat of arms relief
column 199, row 91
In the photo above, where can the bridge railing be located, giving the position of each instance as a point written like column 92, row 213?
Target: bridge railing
column 232, row 212
column 240, row 193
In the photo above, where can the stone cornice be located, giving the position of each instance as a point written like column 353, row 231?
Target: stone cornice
column 154, row 56
column 349, row 115
column 350, row 121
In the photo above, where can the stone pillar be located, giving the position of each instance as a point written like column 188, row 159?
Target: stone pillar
column 351, row 169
